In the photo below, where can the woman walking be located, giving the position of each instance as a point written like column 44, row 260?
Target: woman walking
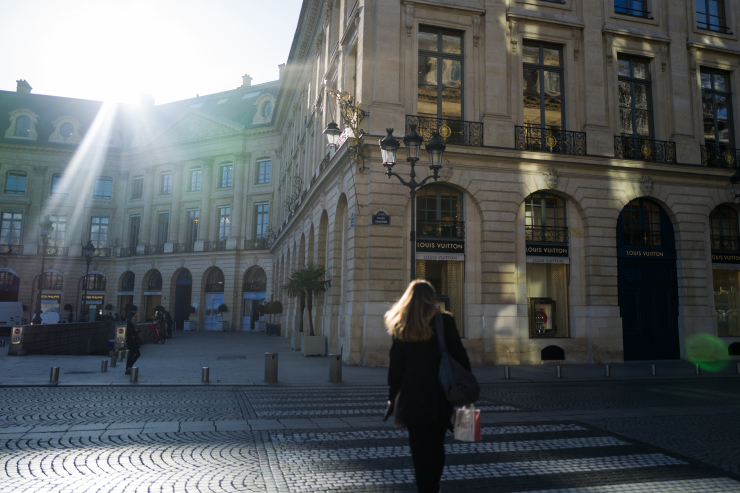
column 415, row 396
column 132, row 341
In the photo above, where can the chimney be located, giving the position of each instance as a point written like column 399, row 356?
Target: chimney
column 146, row 100
column 23, row 86
column 281, row 68
column 247, row 80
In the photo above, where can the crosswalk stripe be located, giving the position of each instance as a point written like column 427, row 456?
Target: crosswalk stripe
column 301, row 411
column 704, row 485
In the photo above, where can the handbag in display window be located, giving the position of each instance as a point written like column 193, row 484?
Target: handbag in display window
column 467, row 424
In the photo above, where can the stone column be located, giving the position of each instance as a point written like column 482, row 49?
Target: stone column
column 178, row 183
column 241, row 166
column 146, row 216
column 204, row 221
column 30, row 238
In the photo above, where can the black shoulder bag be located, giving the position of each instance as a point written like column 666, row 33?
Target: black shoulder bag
column 458, row 384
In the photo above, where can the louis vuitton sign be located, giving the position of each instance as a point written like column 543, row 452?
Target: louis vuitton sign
column 724, row 258
column 547, row 251
column 441, row 246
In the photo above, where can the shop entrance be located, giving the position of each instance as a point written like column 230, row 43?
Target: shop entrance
column 647, row 282
column 183, row 292
column 9, row 285
column 255, row 284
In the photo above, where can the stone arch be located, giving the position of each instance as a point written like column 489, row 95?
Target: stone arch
column 254, row 287
column 181, row 298
column 151, row 288
column 337, row 269
column 213, row 286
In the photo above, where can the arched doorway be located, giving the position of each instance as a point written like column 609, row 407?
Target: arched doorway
column 95, row 282
column 214, row 294
column 152, row 293
column 126, row 293
column 183, row 301
column 647, row 282
column 51, row 294
column 9, row 285
column 254, row 287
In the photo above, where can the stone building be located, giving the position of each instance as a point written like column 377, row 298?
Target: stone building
column 583, row 212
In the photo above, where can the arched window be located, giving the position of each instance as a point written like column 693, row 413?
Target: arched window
column 255, row 280
column 94, row 282
column 641, row 224
column 8, row 279
column 724, row 228
column 439, row 212
column 23, row 127
column 155, row 281
column 545, row 218
column 215, row 282
column 66, row 130
column 127, row 284
column 52, row 280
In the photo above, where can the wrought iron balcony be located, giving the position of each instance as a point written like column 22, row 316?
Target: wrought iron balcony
column 101, row 252
column 549, row 139
column 256, row 244
column 11, row 249
column 153, row 249
column 720, row 156
column 546, row 234
column 643, row 238
column 452, row 131
column 57, row 251
column 725, row 243
column 642, row 149
column 324, row 163
column 128, row 252
column 441, row 229
column 214, row 246
column 182, row 247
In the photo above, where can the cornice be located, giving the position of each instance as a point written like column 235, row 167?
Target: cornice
column 557, row 20
column 446, row 6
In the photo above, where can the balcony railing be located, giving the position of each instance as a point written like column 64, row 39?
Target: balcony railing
column 644, row 238
column 128, row 252
column 182, row 247
column 641, row 149
column 214, row 246
column 11, row 249
column 324, row 163
column 720, row 156
column 153, row 249
column 725, row 243
column 57, row 251
column 549, row 139
column 256, row 244
column 455, row 132
column 546, row 234
column 101, row 252
column 441, row 229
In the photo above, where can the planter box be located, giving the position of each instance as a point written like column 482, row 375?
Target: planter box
column 261, row 326
column 223, row 325
column 313, row 345
column 295, row 340
column 189, row 325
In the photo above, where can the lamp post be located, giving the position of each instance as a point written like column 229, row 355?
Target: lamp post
column 88, row 250
column 412, row 141
column 332, row 133
column 45, row 229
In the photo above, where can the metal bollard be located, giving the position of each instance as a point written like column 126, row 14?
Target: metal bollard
column 335, row 368
column 125, row 356
column 271, row 367
column 104, row 366
column 698, row 369
column 608, row 372
column 738, row 368
column 654, row 370
column 120, row 355
column 54, row 376
column 2, row 343
column 135, row 374
column 206, row 374
column 559, row 373
column 506, row 372
column 113, row 360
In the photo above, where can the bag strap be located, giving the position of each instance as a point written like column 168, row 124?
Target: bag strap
column 440, row 332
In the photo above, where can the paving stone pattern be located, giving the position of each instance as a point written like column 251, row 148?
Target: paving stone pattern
column 229, row 439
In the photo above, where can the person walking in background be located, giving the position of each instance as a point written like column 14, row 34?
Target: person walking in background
column 168, row 321
column 132, row 341
column 415, row 396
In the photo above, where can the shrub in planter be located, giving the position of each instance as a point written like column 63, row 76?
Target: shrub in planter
column 108, row 307
column 190, row 310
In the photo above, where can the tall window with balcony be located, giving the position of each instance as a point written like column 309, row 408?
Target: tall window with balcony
column 59, row 187
column 191, row 232
column 99, row 233
column 165, row 183
column 103, row 188
column 263, row 171
column 546, row 237
column 58, row 233
column 224, row 223
column 10, row 232
column 226, row 175
column 163, row 227
column 195, row 178
column 261, row 213
column 137, row 187
column 725, row 259
column 719, row 135
column 15, row 182
column 637, row 8
column 440, row 221
column 710, row 15
column 134, row 232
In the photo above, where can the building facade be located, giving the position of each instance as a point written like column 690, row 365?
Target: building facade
column 583, row 212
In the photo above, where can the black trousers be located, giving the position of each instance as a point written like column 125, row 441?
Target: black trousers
column 427, row 444
column 133, row 355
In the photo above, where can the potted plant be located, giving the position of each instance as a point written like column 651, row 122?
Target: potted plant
column 305, row 284
column 273, row 308
column 261, row 312
column 189, row 324
column 222, row 324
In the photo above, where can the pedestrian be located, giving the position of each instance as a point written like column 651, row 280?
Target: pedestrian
column 116, row 317
column 81, row 316
column 415, row 396
column 168, row 321
column 159, row 317
column 71, row 317
column 132, row 341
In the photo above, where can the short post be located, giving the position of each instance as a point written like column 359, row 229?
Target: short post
column 335, row 368
column 698, row 369
column 506, row 372
column 560, row 375
column 608, row 372
column 125, row 356
column 113, row 360
column 120, row 356
column 271, row 367
column 135, row 374
column 2, row 343
column 104, row 366
column 738, row 368
column 654, row 370
column 54, row 376
column 206, row 374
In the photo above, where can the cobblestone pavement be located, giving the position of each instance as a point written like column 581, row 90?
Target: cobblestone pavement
column 616, row 437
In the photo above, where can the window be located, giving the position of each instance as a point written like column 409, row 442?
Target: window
column 10, row 228
column 137, row 187
column 215, row 281
column 127, row 284
column 544, row 219
column 23, row 126
column 52, row 280
column 723, row 223
column 716, row 102
column 103, row 188
column 163, row 227
column 155, row 281
column 543, row 85
column 261, row 220
column 638, row 8
column 192, row 226
column 66, row 130
column 439, row 212
column 226, row 172
column 165, row 185
column 635, row 108
column 99, row 231
column 56, row 238
column 440, row 73
column 15, row 182
column 59, row 186
column 710, row 14
column 642, row 224
column 263, row 171
column 134, row 229
column 267, row 109
column 224, row 222
column 94, row 282
column 194, row 184
column 547, row 299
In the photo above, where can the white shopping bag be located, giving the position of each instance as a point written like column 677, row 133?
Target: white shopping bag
column 467, row 424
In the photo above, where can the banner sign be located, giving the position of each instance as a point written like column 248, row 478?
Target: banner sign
column 50, row 297
column 459, row 257
column 718, row 266
column 94, row 299
column 725, row 258
column 547, row 251
column 440, row 246
column 547, row 260
column 382, row 218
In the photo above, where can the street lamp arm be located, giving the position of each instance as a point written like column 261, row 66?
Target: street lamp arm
column 390, row 173
column 435, row 176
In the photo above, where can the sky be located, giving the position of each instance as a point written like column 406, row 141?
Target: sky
column 115, row 50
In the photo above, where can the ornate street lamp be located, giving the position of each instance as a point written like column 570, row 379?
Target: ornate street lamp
column 412, row 141
column 332, row 133
column 45, row 229
column 351, row 115
column 88, row 251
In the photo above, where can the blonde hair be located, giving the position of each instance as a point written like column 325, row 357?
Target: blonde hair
column 409, row 319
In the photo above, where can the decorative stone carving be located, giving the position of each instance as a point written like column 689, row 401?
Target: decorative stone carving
column 576, row 43
column 327, row 12
column 730, row 193
column 182, row 263
column 663, row 56
column 340, row 182
column 409, row 18
column 94, row 266
column 551, row 178
column 4, row 262
column 476, row 29
column 322, row 201
column 646, row 185
column 446, row 172
column 609, row 49
column 319, row 44
column 513, row 34
column 39, row 170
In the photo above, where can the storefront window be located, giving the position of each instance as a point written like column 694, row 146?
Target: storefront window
column 726, row 295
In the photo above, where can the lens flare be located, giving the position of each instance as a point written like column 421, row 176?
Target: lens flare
column 707, row 351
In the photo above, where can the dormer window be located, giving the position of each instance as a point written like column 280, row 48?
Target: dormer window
column 267, row 109
column 67, row 130
column 23, row 127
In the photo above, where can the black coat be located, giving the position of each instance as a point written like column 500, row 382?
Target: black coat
column 132, row 335
column 413, row 377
